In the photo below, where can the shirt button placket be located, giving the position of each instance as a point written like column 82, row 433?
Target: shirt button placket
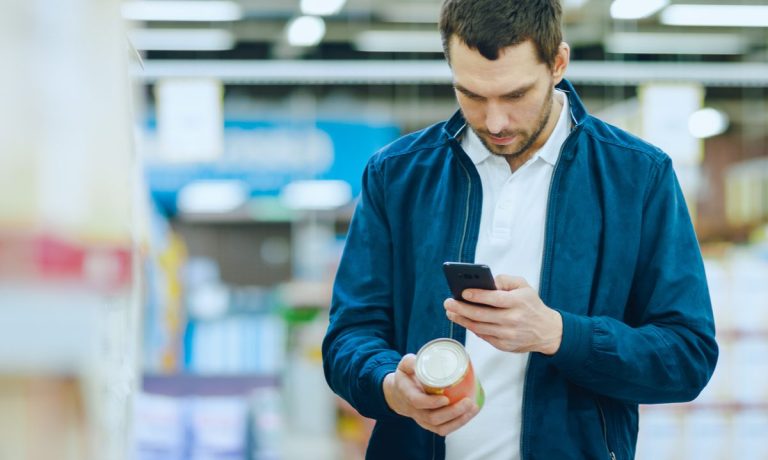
column 502, row 219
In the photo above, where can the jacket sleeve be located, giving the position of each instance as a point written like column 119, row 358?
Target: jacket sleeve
column 666, row 350
column 357, row 349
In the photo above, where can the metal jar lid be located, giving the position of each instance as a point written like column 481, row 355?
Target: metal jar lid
column 441, row 363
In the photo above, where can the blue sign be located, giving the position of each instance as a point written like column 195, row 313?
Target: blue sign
column 268, row 155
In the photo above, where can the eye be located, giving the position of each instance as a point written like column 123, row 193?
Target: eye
column 514, row 96
column 472, row 96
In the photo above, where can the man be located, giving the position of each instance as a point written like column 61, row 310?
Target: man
column 602, row 301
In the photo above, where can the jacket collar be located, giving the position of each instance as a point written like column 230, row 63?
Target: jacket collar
column 579, row 112
column 456, row 124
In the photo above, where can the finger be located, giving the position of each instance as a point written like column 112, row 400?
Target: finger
column 456, row 423
column 413, row 392
column 498, row 298
column 452, row 304
column 407, row 364
column 509, row 282
column 485, row 314
column 457, row 318
column 424, row 401
column 479, row 328
column 510, row 288
column 476, row 295
column 445, row 415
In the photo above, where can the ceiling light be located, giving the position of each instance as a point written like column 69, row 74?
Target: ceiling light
column 675, row 43
column 399, row 41
column 208, row 11
column 321, row 7
column 316, row 194
column 707, row 122
column 181, row 39
column 635, row 9
column 305, row 31
column 437, row 72
column 212, row 196
column 716, row 15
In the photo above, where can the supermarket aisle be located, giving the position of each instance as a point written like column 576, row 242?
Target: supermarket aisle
column 177, row 184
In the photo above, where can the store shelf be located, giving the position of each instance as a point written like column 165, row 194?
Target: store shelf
column 45, row 330
column 46, row 258
column 367, row 72
column 206, row 385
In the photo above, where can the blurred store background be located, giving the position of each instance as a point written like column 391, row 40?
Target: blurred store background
column 178, row 176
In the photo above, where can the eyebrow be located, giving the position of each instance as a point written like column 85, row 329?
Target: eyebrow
column 514, row 92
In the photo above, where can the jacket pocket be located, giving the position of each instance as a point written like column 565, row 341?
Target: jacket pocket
column 604, row 426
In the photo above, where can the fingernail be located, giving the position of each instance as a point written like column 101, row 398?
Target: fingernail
column 467, row 295
column 449, row 315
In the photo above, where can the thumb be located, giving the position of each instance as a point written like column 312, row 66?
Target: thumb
column 407, row 364
column 510, row 283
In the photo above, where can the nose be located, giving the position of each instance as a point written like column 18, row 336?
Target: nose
column 495, row 118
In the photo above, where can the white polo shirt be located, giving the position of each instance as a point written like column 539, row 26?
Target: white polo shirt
column 511, row 241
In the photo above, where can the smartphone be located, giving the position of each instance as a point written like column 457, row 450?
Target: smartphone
column 462, row 276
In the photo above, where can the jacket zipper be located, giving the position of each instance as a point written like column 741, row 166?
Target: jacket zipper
column 605, row 430
column 461, row 259
column 544, row 270
column 466, row 223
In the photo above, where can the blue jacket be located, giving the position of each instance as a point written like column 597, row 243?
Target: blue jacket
column 621, row 264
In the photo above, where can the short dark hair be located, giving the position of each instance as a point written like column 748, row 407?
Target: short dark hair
column 491, row 25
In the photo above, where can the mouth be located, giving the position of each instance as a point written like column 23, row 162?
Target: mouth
column 501, row 140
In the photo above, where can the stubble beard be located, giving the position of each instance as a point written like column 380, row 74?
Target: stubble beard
column 527, row 140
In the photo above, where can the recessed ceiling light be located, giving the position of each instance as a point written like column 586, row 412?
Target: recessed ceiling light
column 208, row 11
column 305, row 31
column 636, row 9
column 403, row 41
column 316, row 194
column 212, row 196
column 181, row 39
column 707, row 122
column 675, row 43
column 716, row 15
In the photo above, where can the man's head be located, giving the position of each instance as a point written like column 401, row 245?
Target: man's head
column 506, row 56
column 489, row 26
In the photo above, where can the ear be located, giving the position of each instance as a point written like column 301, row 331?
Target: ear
column 562, row 59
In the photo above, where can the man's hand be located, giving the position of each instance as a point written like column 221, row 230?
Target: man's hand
column 517, row 320
column 405, row 395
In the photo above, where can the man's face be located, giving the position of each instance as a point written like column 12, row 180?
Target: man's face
column 507, row 102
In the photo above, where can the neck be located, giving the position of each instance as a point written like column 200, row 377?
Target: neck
column 549, row 127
